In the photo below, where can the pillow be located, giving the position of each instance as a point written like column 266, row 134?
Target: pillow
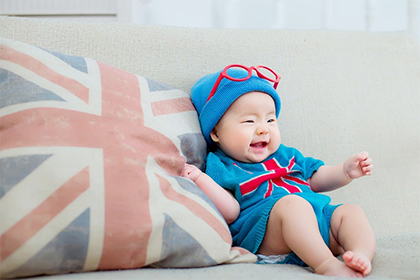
column 90, row 160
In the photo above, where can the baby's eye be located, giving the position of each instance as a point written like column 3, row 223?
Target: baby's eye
column 271, row 120
column 249, row 121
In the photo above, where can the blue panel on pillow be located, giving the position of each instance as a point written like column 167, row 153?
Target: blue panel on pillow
column 158, row 86
column 193, row 147
column 14, row 169
column 14, row 90
column 194, row 189
column 76, row 62
column 65, row 253
column 180, row 249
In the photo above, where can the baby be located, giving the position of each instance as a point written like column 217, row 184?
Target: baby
column 268, row 193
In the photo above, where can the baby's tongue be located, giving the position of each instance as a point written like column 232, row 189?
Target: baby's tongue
column 257, row 145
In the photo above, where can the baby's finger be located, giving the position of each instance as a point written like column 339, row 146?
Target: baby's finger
column 368, row 169
column 362, row 156
column 368, row 159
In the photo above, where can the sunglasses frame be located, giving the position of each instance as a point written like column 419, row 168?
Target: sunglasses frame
column 224, row 74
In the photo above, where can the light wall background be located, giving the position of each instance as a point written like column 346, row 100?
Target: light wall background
column 360, row 15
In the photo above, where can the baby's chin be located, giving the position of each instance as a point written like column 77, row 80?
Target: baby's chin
column 256, row 158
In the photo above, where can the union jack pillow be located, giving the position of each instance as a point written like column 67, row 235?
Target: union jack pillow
column 90, row 158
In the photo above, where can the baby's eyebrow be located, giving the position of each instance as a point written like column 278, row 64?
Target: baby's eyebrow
column 258, row 113
column 272, row 113
column 247, row 113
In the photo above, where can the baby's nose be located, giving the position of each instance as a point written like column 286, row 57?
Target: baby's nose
column 262, row 130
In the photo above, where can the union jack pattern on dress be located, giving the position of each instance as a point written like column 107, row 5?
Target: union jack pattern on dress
column 276, row 176
column 89, row 158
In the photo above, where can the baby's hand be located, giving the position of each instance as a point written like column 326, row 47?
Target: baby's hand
column 191, row 172
column 358, row 165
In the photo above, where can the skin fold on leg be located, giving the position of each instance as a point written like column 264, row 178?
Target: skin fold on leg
column 292, row 226
column 350, row 228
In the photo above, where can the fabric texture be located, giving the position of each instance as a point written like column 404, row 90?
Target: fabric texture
column 90, row 163
column 210, row 112
column 258, row 186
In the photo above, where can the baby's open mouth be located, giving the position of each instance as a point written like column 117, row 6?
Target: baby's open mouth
column 259, row 145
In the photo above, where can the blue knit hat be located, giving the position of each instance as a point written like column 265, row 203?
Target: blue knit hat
column 227, row 92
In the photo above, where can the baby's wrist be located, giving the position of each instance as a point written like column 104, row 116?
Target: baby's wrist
column 346, row 174
column 195, row 179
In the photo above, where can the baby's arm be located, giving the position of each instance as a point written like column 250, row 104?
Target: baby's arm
column 224, row 200
column 329, row 178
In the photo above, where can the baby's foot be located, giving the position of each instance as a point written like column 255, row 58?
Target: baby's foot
column 334, row 267
column 358, row 262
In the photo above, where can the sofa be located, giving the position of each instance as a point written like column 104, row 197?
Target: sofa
column 98, row 194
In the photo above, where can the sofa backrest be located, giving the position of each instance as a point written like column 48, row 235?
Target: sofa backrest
column 341, row 92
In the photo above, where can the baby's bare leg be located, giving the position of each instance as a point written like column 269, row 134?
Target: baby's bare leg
column 292, row 226
column 351, row 229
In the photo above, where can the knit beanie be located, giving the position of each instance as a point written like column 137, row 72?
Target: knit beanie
column 227, row 92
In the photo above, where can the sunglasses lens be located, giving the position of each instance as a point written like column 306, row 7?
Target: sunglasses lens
column 269, row 75
column 237, row 72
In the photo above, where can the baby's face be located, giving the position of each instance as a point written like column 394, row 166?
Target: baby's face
column 248, row 130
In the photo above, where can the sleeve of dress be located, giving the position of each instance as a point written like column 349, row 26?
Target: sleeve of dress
column 214, row 168
column 308, row 165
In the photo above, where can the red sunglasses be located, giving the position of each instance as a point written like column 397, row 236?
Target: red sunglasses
column 262, row 71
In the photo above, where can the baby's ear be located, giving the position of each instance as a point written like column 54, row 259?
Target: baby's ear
column 214, row 136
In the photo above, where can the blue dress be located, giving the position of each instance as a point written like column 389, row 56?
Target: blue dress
column 258, row 186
